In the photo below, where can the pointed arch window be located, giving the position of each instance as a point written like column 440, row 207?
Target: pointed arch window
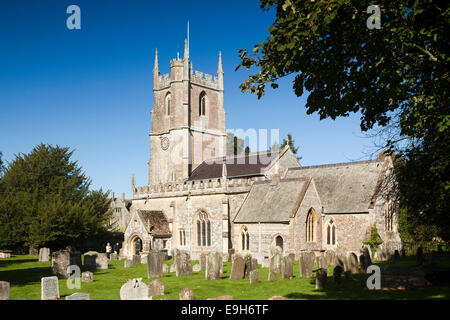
column 389, row 216
column 310, row 225
column 182, row 237
column 331, row 233
column 203, row 230
column 202, row 104
column 168, row 104
column 245, row 239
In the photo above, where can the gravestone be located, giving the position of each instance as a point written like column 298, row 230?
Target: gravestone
column 321, row 279
column 265, row 262
column 113, row 256
column 213, row 266
column 136, row 259
column 330, row 256
column 306, row 264
column 33, row 251
column 156, row 288
column 337, row 273
column 275, row 262
column 101, row 262
column 87, row 276
column 182, row 261
column 134, row 289
column 44, row 254
column 292, row 257
column 144, row 257
column 363, row 263
column 196, row 268
column 4, row 290
column 341, row 260
column 96, row 259
column 254, row 276
column 367, row 254
column 78, row 296
column 154, row 264
column 61, row 260
column 230, row 254
column 272, row 276
column 172, row 268
column 237, row 267
column 419, row 256
column 49, row 288
column 128, row 263
column 352, row 263
column 287, row 265
column 321, row 262
column 203, row 260
column 165, row 268
column 186, row 294
column 250, row 265
column 5, row 255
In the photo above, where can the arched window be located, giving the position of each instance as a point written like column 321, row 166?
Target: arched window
column 331, row 233
column 182, row 237
column 168, row 101
column 245, row 239
column 203, row 230
column 389, row 216
column 202, row 104
column 310, row 224
column 279, row 242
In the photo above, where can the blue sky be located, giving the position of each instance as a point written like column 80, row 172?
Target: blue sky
column 91, row 89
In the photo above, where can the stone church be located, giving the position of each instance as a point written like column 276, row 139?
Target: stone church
column 200, row 200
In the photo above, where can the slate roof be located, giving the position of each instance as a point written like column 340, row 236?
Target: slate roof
column 155, row 222
column 252, row 164
column 343, row 187
column 271, row 203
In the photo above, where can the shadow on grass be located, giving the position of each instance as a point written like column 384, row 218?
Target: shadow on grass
column 5, row 263
column 21, row 277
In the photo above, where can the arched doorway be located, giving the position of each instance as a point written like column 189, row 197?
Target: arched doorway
column 279, row 242
column 136, row 245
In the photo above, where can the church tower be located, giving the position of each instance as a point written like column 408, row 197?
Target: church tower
column 187, row 120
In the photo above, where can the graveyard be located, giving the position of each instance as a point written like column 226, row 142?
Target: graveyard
column 24, row 273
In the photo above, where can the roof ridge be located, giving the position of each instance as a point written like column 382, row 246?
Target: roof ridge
column 338, row 164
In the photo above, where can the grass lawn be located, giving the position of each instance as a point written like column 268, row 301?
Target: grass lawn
column 24, row 273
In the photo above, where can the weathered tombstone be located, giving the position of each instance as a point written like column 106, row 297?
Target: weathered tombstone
column 250, row 265
column 306, row 264
column 5, row 255
column 87, row 276
column 237, row 267
column 321, row 278
column 363, row 263
column 154, row 264
column 165, row 268
column 321, row 262
column 265, row 262
column 367, row 254
column 352, row 263
column 272, row 276
column 337, row 273
column 341, row 260
column 330, row 256
column 419, row 256
column 156, row 288
column 287, row 265
column 275, row 262
column 101, row 262
column 213, row 266
column 134, row 289
column 127, row 263
column 60, row 262
column 78, row 296
column 221, row 298
column 292, row 257
column 136, row 259
column 4, row 290
column 90, row 259
column 182, row 261
column 44, row 254
column 113, row 256
column 254, row 276
column 203, row 260
column 33, row 251
column 49, row 288
column 196, row 268
column 230, row 254
column 186, row 294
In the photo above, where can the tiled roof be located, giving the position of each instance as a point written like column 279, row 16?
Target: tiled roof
column 155, row 222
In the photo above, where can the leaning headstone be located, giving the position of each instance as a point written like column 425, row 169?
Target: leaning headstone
column 87, row 276
column 254, row 276
column 44, row 254
column 136, row 259
column 337, row 273
column 196, row 268
column 49, row 288
column 134, row 289
column 127, row 263
column 367, row 254
column 306, row 264
column 419, row 256
column 156, row 288
column 341, row 260
column 287, row 268
column 154, row 264
column 213, row 265
column 237, row 267
column 182, row 261
column 321, row 279
column 265, row 262
column 61, row 260
column 352, row 262
column 78, row 296
column 186, row 294
column 203, row 260
column 4, row 290
column 165, row 268
column 321, row 262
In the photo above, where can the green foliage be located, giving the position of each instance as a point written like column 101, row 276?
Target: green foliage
column 45, row 201
column 396, row 77
column 235, row 145
column 289, row 141
column 375, row 239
